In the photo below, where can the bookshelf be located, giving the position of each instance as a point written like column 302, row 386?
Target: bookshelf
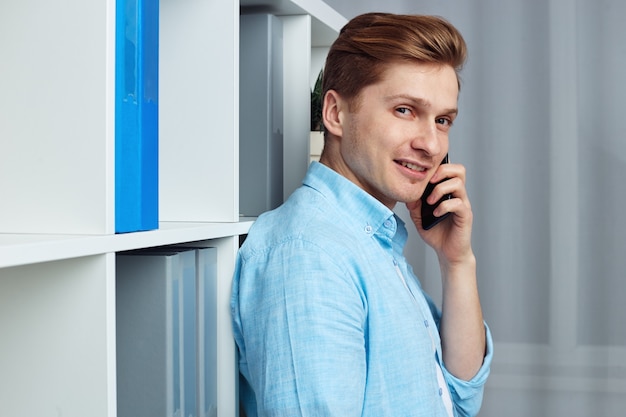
column 57, row 181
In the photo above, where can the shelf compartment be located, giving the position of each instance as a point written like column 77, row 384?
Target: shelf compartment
column 57, row 116
column 57, row 354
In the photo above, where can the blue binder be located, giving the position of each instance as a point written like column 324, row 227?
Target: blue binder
column 136, row 115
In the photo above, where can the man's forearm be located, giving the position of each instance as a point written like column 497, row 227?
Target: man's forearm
column 462, row 327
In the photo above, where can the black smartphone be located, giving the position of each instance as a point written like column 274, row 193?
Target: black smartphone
column 428, row 218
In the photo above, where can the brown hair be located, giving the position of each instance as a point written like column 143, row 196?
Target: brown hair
column 369, row 42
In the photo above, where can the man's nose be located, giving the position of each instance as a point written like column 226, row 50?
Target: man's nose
column 427, row 138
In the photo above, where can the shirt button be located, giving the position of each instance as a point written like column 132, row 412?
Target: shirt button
column 426, row 323
column 387, row 224
column 440, row 392
column 395, row 262
column 368, row 229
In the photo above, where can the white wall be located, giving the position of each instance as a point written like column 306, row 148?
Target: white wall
column 541, row 133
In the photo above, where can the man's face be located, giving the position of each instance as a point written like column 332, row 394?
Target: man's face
column 394, row 140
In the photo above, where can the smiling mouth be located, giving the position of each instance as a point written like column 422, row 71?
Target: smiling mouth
column 411, row 166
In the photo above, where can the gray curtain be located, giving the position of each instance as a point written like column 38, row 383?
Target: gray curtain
column 542, row 133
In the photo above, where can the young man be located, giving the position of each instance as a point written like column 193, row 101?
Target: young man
column 328, row 317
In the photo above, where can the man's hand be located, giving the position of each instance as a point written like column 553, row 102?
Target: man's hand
column 451, row 239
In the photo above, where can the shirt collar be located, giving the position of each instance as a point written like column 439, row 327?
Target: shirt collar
column 358, row 208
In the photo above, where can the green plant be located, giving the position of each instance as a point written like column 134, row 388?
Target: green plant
column 316, row 105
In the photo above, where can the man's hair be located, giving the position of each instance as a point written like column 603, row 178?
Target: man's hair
column 369, row 42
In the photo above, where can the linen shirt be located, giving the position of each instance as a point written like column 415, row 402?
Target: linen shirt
column 330, row 320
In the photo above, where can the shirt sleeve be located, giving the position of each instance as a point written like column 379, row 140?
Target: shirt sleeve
column 467, row 396
column 303, row 317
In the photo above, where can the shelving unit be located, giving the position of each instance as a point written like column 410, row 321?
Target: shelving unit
column 57, row 242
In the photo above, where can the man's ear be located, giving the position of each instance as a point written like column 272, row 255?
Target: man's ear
column 332, row 112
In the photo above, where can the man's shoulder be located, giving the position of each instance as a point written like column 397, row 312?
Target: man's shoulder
column 305, row 217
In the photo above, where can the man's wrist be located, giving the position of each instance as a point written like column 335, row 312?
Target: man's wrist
column 460, row 266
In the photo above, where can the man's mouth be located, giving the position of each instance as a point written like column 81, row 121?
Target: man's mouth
column 412, row 166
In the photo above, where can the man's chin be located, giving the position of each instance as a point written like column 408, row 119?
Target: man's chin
column 410, row 197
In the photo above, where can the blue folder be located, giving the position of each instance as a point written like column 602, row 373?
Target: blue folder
column 136, row 115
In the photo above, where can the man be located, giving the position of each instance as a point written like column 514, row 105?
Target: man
column 328, row 317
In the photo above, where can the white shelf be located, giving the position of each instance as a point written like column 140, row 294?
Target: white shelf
column 307, row 25
column 57, row 116
column 22, row 249
column 199, row 111
column 326, row 22
column 57, row 246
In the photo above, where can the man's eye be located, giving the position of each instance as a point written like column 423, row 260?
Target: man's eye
column 403, row 110
column 444, row 121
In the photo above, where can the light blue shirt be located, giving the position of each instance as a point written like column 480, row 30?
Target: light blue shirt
column 323, row 320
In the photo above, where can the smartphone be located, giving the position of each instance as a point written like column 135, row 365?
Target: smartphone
column 428, row 218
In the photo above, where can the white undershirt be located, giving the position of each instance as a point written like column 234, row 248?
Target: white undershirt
column 443, row 386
